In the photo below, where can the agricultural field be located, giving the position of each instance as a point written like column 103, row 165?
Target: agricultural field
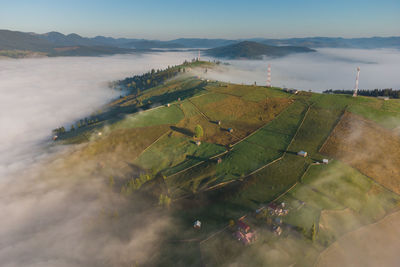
column 221, row 176
column 157, row 116
column 171, row 154
column 373, row 150
column 372, row 245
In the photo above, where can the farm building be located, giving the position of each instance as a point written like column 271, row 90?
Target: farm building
column 244, row 234
column 277, row 230
column 230, row 130
column 197, row 224
column 198, row 143
column 179, row 99
column 242, row 226
column 168, row 105
column 302, row 153
column 325, row 161
column 277, row 210
column 219, row 160
column 246, row 239
column 291, row 91
column 219, row 122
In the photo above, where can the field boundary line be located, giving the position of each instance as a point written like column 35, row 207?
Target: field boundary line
column 265, row 125
column 333, row 129
column 155, row 141
column 298, row 129
column 192, row 166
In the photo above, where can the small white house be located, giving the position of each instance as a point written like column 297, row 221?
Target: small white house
column 325, row 161
column 168, row 105
column 197, row 224
column 302, row 153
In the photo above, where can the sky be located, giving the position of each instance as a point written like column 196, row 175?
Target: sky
column 165, row 20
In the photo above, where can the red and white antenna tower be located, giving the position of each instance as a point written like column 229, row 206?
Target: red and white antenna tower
column 269, row 76
column 356, row 87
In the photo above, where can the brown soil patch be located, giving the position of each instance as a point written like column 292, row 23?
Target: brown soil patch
column 373, row 150
column 373, row 245
column 234, row 108
column 243, row 116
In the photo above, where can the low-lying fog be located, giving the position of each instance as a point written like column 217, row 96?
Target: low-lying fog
column 328, row 68
column 43, row 222
column 38, row 95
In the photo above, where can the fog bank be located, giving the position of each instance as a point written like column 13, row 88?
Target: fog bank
column 57, row 211
column 328, row 68
column 38, row 95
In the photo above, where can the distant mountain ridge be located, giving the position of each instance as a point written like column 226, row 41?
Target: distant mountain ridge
column 254, row 50
column 100, row 45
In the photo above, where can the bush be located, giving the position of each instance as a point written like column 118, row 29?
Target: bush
column 198, row 131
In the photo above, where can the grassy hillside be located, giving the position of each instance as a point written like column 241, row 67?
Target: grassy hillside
column 146, row 141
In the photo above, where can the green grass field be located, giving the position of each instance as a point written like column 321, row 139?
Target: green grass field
column 268, row 144
column 171, row 154
column 157, row 116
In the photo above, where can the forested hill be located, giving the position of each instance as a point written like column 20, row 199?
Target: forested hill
column 254, row 50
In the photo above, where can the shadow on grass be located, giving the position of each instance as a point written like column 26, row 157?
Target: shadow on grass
column 181, row 130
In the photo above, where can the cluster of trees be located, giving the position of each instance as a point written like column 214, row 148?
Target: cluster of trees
column 134, row 184
column 389, row 92
column 59, row 130
column 150, row 79
column 84, row 122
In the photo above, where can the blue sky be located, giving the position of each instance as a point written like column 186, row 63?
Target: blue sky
column 168, row 19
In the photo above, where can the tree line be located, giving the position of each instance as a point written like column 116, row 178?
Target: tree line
column 150, row 79
column 389, row 92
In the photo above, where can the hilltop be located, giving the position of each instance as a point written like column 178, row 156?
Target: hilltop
column 254, row 50
column 243, row 169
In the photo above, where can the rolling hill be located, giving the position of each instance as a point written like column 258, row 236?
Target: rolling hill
column 254, row 50
column 21, row 44
column 53, row 44
column 145, row 140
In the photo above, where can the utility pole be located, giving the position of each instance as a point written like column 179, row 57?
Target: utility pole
column 357, row 78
